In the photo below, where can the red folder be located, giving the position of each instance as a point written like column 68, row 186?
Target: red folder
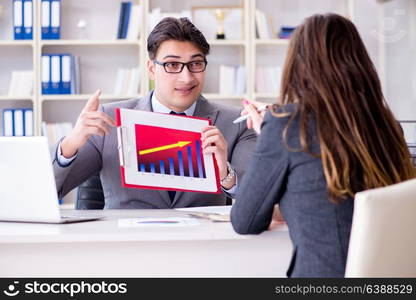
column 164, row 152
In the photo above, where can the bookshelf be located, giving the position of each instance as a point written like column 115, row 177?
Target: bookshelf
column 101, row 53
column 273, row 49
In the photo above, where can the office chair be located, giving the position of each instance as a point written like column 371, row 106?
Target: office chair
column 383, row 234
column 90, row 194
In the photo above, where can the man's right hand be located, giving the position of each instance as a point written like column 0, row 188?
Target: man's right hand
column 91, row 121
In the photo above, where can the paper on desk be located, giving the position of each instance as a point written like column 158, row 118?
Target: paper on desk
column 157, row 222
column 219, row 210
column 213, row 213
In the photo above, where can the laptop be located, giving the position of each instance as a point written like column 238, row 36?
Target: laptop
column 27, row 184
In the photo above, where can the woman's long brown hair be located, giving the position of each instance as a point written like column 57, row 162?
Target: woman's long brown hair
column 330, row 76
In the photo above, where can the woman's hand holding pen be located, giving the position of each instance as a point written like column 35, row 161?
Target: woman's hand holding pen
column 256, row 111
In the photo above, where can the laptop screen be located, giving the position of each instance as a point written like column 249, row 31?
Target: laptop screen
column 28, row 190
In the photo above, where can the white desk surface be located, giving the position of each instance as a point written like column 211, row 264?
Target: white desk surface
column 103, row 249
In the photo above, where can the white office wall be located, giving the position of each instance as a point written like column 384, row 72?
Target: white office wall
column 399, row 34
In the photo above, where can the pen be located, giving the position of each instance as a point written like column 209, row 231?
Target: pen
column 245, row 117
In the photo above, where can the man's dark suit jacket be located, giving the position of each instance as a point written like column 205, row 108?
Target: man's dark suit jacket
column 100, row 154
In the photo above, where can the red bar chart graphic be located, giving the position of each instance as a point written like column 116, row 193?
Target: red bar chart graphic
column 169, row 151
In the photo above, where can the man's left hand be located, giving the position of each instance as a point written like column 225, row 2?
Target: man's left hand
column 214, row 142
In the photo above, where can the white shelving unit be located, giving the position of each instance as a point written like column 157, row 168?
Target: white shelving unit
column 266, row 52
column 101, row 53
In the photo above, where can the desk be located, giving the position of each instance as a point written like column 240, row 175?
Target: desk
column 103, row 249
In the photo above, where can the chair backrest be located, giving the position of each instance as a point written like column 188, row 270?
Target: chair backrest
column 383, row 233
column 90, row 194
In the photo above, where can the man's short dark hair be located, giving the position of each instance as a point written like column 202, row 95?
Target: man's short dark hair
column 175, row 29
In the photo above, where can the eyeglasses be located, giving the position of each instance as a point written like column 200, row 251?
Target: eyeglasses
column 196, row 66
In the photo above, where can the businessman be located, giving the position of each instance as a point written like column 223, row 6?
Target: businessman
column 177, row 64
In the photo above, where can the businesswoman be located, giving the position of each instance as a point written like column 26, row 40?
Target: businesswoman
column 331, row 136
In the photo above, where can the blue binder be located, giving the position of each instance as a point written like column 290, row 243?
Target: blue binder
column 46, row 74
column 121, row 20
column 28, row 122
column 18, row 122
column 46, row 19
column 126, row 20
column 66, row 83
column 28, row 19
column 55, row 31
column 55, row 74
column 18, row 20
column 8, row 122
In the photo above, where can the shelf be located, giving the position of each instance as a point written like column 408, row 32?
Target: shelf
column 226, row 42
column 221, row 96
column 266, row 95
column 12, row 98
column 125, row 97
column 89, row 43
column 271, row 42
column 85, row 97
column 16, row 43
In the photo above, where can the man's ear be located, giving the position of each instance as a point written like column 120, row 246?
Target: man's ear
column 151, row 69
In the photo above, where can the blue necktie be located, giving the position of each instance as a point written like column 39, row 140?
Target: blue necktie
column 172, row 193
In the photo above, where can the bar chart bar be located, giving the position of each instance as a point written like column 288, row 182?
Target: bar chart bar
column 190, row 164
column 171, row 166
column 180, row 162
column 162, row 167
column 199, row 159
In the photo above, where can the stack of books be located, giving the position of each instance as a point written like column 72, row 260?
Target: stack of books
column 232, row 80
column 23, row 19
column 268, row 79
column 55, row 131
column 262, row 26
column 156, row 15
column 60, row 74
column 129, row 21
column 51, row 19
column 21, row 84
column 18, row 122
column 286, row 32
column 127, row 82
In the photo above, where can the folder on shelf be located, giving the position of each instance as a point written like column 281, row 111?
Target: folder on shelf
column 18, row 19
column 120, row 19
column 46, row 19
column 126, row 20
column 18, row 122
column 66, row 84
column 133, row 27
column 55, row 31
column 240, row 80
column 28, row 122
column 164, row 152
column 55, row 74
column 46, row 74
column 75, row 75
column 28, row 19
column 8, row 129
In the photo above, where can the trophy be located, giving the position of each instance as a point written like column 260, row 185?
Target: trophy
column 220, row 16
